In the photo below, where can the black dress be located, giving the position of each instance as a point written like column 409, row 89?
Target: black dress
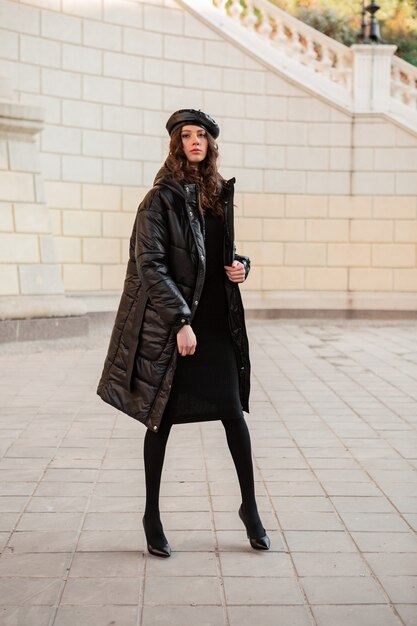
column 205, row 385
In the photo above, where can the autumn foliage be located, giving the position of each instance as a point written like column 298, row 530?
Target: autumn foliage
column 341, row 19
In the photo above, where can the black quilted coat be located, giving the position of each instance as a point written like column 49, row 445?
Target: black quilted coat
column 164, row 280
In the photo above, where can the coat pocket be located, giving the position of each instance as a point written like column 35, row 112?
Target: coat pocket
column 154, row 335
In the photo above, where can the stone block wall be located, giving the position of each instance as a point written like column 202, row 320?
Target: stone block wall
column 326, row 201
column 27, row 252
column 331, row 243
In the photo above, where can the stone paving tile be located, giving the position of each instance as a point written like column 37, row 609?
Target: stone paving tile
column 411, row 519
column 8, row 521
column 297, row 520
column 273, row 564
column 16, row 488
column 301, row 504
column 342, row 590
column 116, row 504
column 376, row 522
column 111, row 521
column 110, row 540
column 26, row 615
column 120, row 489
column 36, row 565
column 334, row 433
column 385, row 542
column 182, row 590
column 88, row 615
column 191, row 540
column 329, row 564
column 63, row 489
column 25, row 590
column 42, row 541
column 268, row 616
column 363, row 504
column 400, row 589
column 181, row 616
column 56, row 504
column 384, row 564
column 405, row 504
column 189, row 563
column 262, row 591
column 325, row 541
column 87, row 591
column 363, row 615
column 185, row 503
column 408, row 613
column 12, row 504
column 107, row 564
column 295, row 488
column 49, row 521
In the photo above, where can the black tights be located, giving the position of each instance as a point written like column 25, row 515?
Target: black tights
column 238, row 440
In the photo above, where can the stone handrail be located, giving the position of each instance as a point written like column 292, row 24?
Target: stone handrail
column 404, row 82
column 292, row 37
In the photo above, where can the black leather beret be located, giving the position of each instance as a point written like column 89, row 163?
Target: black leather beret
column 191, row 116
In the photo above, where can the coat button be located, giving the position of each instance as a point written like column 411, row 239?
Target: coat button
column 183, row 321
column 155, row 427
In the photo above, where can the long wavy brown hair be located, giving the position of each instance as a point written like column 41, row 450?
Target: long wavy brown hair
column 205, row 175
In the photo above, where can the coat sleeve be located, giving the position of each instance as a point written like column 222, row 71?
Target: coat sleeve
column 151, row 252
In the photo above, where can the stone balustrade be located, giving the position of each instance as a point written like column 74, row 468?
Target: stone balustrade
column 293, row 38
column 404, row 82
column 311, row 48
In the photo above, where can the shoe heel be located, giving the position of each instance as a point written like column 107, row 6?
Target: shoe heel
column 258, row 543
column 163, row 551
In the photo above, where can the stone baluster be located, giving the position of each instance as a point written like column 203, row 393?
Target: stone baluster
column 411, row 89
column 280, row 38
column 251, row 19
column 221, row 5
column 296, row 47
column 397, row 85
column 346, row 62
column 310, row 53
column 235, row 10
column 326, row 59
column 265, row 28
column 413, row 94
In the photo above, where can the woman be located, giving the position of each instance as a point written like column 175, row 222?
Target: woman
column 179, row 351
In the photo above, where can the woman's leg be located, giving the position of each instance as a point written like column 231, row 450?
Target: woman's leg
column 154, row 446
column 238, row 439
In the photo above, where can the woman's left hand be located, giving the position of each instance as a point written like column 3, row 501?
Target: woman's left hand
column 235, row 272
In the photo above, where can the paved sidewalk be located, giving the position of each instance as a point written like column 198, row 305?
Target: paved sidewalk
column 334, row 429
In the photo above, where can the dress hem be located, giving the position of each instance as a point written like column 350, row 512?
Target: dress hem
column 202, row 418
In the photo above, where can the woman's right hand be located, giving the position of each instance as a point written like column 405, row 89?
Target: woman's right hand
column 186, row 341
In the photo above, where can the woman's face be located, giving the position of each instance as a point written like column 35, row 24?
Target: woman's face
column 194, row 143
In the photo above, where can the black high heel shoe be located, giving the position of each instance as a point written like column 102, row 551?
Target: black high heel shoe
column 163, row 550
column 257, row 543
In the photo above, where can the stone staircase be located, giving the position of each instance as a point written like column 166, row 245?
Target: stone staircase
column 361, row 79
